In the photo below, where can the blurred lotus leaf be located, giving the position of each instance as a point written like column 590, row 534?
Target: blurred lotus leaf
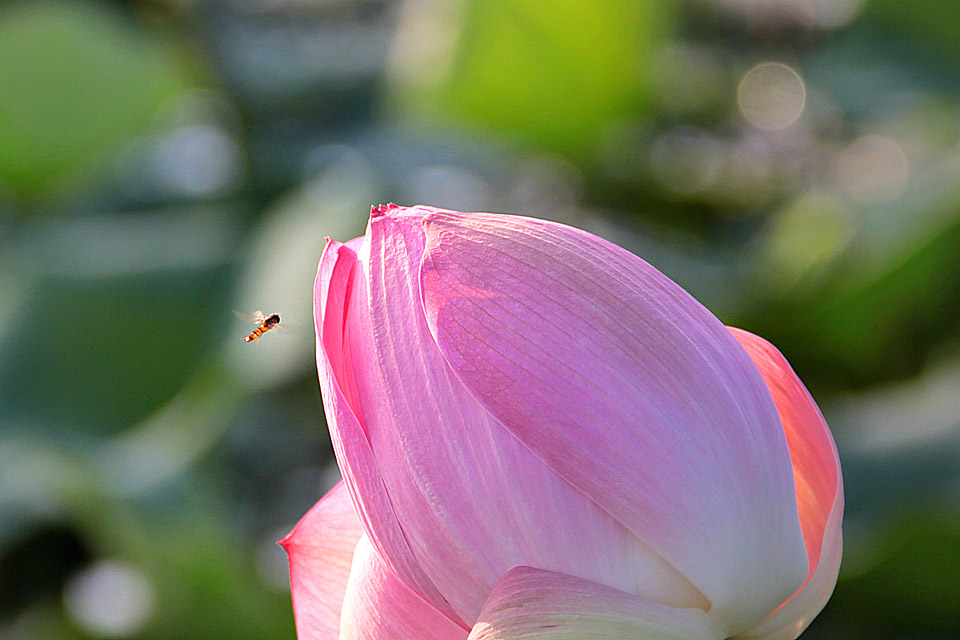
column 931, row 22
column 876, row 309
column 908, row 583
column 553, row 74
column 77, row 78
column 118, row 323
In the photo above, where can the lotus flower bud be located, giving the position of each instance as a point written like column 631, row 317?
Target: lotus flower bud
column 541, row 436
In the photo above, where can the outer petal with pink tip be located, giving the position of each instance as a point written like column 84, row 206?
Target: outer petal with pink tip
column 628, row 389
column 321, row 549
column 531, row 604
column 337, row 279
column 379, row 606
column 819, row 487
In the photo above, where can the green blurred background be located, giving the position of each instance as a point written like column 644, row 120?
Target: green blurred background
column 795, row 164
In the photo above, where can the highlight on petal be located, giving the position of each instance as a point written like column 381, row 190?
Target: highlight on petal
column 819, row 486
column 532, row 604
column 629, row 389
column 320, row 549
column 434, row 445
column 379, row 606
column 337, row 278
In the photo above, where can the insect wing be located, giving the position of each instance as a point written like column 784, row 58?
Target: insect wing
column 256, row 317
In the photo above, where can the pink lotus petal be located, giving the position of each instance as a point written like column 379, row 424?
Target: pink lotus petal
column 531, row 604
column 819, row 487
column 627, row 387
column 321, row 548
column 359, row 468
column 379, row 606
column 473, row 500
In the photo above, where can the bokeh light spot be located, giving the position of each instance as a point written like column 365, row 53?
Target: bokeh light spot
column 803, row 239
column 200, row 161
column 686, row 160
column 829, row 14
column 109, row 599
column 873, row 169
column 771, row 96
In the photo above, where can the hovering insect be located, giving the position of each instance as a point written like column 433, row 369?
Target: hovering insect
column 266, row 323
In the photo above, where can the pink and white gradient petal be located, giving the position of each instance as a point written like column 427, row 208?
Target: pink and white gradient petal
column 320, row 549
column 335, row 279
column 532, row 604
column 613, row 376
column 379, row 606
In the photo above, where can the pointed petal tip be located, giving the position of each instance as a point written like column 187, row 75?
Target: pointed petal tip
column 378, row 210
column 290, row 540
column 329, row 244
column 385, row 217
column 320, row 550
column 393, row 221
column 393, row 211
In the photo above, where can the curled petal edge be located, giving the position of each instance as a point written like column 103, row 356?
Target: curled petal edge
column 819, row 487
column 351, row 446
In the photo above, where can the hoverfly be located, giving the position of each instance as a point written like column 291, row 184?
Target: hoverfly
column 266, row 322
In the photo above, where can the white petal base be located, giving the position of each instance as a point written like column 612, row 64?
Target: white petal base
column 532, row 604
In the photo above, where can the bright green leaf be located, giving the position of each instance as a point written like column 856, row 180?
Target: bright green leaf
column 550, row 73
column 77, row 79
